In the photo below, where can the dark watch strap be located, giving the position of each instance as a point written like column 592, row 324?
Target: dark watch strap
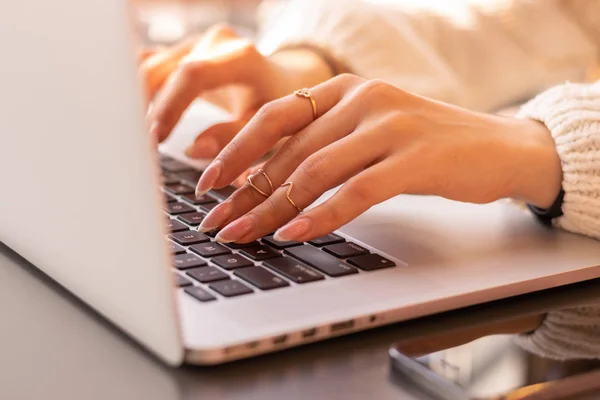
column 548, row 214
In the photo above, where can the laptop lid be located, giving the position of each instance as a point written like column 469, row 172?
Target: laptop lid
column 79, row 199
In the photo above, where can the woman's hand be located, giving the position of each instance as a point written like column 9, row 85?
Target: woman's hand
column 227, row 70
column 379, row 142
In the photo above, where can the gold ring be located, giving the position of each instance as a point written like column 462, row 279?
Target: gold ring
column 287, row 194
column 253, row 186
column 307, row 94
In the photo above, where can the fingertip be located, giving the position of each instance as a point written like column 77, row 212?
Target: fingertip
column 203, row 148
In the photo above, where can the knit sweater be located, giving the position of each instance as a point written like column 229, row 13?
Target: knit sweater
column 483, row 55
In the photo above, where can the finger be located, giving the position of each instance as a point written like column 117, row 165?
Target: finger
column 277, row 119
column 239, row 65
column 317, row 174
column 158, row 65
column 334, row 125
column 210, row 142
column 243, row 178
column 374, row 185
column 144, row 54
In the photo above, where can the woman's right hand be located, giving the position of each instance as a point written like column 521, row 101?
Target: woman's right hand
column 227, row 70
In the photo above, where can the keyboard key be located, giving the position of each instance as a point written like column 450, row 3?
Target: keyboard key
column 259, row 253
column 230, row 288
column 320, row 260
column 191, row 198
column 187, row 238
column 209, row 249
column 193, row 218
column 176, row 226
column 181, row 281
column 261, row 278
column 190, row 177
column 169, row 198
column 232, row 261
column 180, row 188
column 371, row 262
column 238, row 246
column 327, row 239
column 175, row 166
column 213, row 234
column 345, row 250
column 206, row 274
column 178, row 208
column 187, row 260
column 293, row 269
column 175, row 248
column 208, row 206
column 280, row 245
column 170, row 179
column 223, row 193
column 199, row 293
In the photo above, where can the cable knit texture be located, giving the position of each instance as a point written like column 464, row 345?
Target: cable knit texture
column 566, row 334
column 572, row 114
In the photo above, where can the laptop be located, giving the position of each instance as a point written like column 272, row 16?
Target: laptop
column 89, row 201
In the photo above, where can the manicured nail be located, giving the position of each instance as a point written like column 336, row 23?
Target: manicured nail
column 293, row 230
column 203, row 148
column 216, row 216
column 236, row 230
column 209, row 177
column 154, row 129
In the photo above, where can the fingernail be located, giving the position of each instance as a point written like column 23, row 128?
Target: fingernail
column 209, row 178
column 217, row 216
column 203, row 148
column 154, row 129
column 293, row 230
column 236, row 230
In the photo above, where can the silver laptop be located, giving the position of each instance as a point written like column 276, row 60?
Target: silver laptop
column 83, row 200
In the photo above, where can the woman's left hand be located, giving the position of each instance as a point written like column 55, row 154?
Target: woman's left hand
column 378, row 141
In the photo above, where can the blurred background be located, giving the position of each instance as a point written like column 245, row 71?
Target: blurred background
column 167, row 21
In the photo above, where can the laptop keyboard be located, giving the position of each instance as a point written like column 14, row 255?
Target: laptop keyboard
column 210, row 271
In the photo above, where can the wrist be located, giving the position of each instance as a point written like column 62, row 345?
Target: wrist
column 537, row 177
column 303, row 66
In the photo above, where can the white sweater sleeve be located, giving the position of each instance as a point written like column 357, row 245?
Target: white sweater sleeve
column 572, row 114
column 481, row 55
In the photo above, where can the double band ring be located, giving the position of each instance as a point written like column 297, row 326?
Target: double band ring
column 253, row 186
column 307, row 94
column 290, row 185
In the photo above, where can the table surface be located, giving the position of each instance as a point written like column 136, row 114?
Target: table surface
column 53, row 347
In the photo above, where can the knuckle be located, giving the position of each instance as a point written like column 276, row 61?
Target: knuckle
column 267, row 117
column 292, row 148
column 220, row 30
column 313, row 168
column 188, row 70
column 268, row 212
column 229, row 151
column 247, row 49
column 374, row 87
column 333, row 216
column 347, row 79
column 267, row 111
column 359, row 191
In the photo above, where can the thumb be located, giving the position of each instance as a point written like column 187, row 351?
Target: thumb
column 210, row 142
